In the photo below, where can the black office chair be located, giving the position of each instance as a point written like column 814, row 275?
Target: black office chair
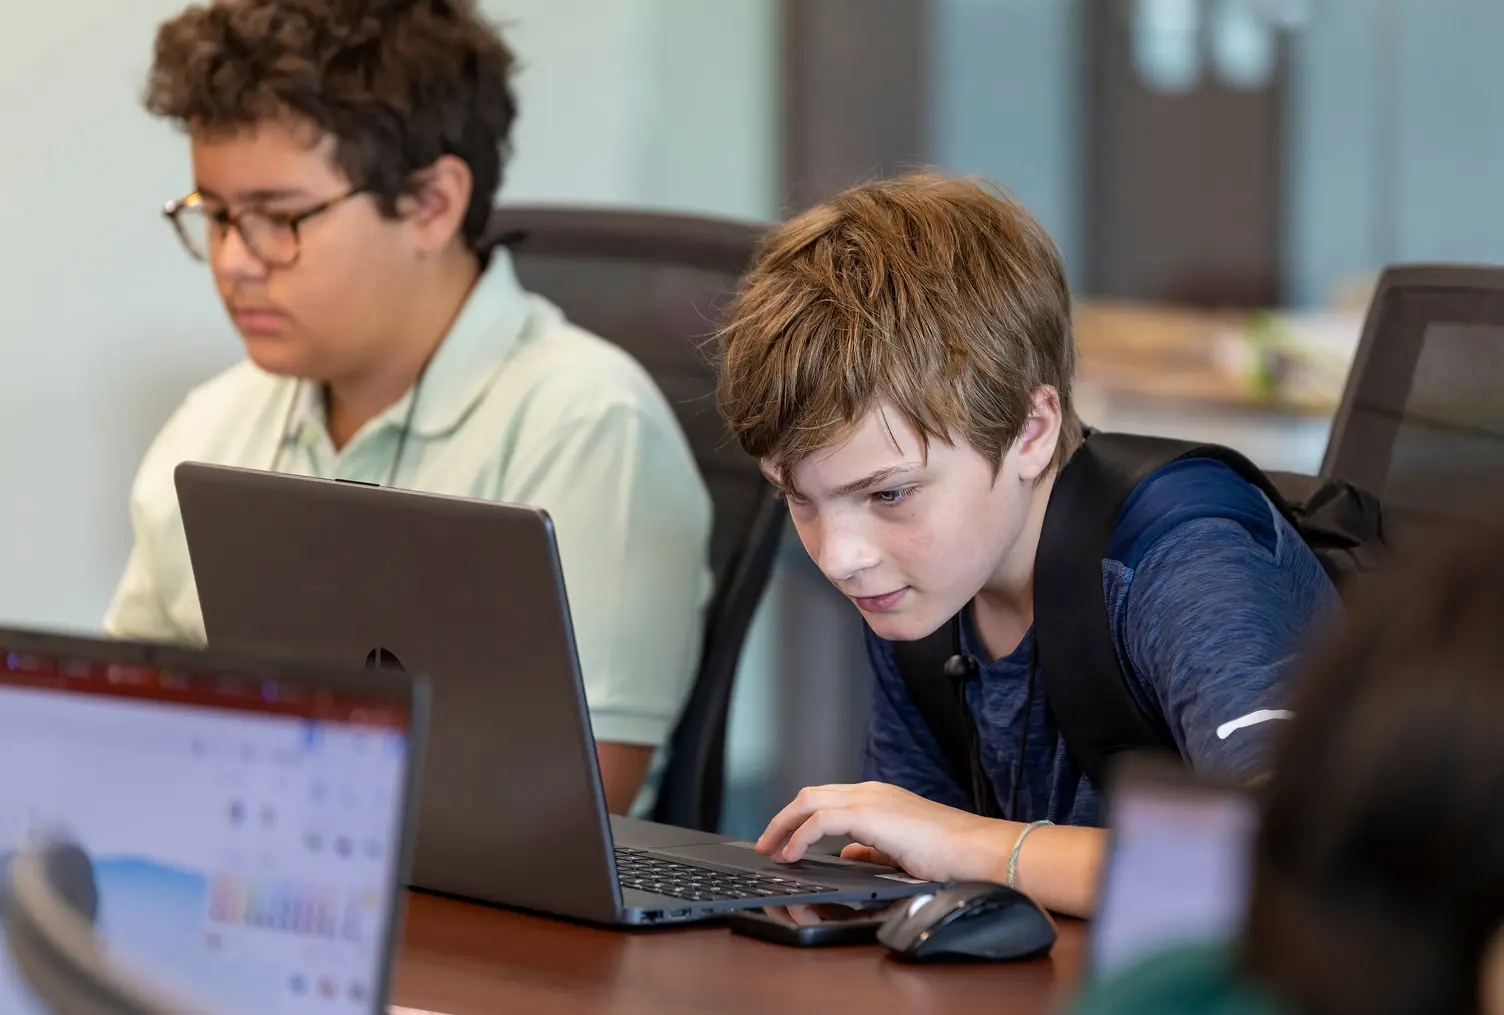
column 50, row 904
column 1421, row 421
column 657, row 285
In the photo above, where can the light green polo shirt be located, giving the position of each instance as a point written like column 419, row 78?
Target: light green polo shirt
column 517, row 405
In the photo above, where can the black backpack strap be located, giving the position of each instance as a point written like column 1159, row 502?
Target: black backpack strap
column 1085, row 687
column 925, row 666
column 1344, row 525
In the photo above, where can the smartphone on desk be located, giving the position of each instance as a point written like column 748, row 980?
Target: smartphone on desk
column 823, row 923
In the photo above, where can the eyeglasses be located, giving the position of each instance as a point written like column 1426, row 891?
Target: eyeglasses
column 271, row 236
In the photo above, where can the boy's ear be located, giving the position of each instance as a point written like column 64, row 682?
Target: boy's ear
column 436, row 208
column 1040, row 435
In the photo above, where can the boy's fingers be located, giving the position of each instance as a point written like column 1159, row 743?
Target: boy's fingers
column 779, row 828
column 786, row 821
column 818, row 825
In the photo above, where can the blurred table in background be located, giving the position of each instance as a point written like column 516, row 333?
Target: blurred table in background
column 1264, row 383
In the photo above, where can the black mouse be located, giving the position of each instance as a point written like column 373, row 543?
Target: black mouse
column 974, row 920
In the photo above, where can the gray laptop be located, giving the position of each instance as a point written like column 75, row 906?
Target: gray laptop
column 470, row 593
column 239, row 829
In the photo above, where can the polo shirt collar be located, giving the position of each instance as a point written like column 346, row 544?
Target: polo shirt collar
column 484, row 335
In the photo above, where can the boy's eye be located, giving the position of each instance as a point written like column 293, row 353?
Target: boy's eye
column 892, row 496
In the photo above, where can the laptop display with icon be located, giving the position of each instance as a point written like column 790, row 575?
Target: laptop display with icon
column 247, row 825
column 1178, row 866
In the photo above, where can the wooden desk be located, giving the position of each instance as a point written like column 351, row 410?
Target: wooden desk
column 460, row 959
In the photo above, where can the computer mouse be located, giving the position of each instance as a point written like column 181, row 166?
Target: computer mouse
column 970, row 920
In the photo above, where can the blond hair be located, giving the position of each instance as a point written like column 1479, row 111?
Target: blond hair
column 934, row 295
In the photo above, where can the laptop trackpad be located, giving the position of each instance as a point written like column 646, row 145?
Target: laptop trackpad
column 831, row 870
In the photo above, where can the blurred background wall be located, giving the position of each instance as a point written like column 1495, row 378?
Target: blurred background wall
column 1216, row 172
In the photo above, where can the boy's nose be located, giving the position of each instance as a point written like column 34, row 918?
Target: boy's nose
column 841, row 552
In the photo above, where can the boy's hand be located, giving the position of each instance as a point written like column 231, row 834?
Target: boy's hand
column 895, row 827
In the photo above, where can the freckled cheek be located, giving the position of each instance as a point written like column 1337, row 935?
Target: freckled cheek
column 918, row 551
column 937, row 553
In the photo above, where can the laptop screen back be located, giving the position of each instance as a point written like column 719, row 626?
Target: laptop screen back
column 1177, row 869
column 245, row 834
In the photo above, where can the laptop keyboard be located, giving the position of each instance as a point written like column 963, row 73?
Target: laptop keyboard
column 700, row 884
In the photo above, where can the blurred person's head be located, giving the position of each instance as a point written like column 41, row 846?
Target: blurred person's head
column 900, row 361
column 1379, row 871
column 358, row 144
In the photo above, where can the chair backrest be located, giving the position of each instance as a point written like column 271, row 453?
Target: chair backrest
column 657, row 285
column 1421, row 422
column 50, row 905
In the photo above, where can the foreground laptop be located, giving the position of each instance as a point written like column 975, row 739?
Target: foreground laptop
column 1178, row 864
column 470, row 593
column 247, row 825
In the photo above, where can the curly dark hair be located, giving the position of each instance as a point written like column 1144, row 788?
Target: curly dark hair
column 1379, row 866
column 396, row 83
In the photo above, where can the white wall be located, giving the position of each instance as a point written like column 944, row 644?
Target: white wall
column 104, row 323
column 661, row 103
column 710, row 141
column 581, row 90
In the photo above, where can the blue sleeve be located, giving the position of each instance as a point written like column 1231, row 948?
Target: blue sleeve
column 901, row 750
column 1215, row 610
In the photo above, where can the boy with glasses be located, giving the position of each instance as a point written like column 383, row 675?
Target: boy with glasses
column 345, row 155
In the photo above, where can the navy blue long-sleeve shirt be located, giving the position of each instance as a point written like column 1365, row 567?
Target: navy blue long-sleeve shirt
column 1209, row 593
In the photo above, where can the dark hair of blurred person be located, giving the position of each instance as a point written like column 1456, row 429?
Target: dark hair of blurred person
column 1378, row 882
